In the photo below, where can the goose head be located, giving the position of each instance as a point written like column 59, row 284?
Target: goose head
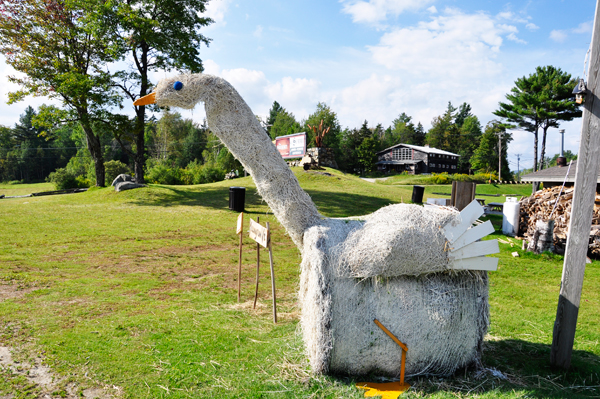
column 182, row 91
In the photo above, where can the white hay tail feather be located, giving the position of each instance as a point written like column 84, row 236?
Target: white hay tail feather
column 466, row 253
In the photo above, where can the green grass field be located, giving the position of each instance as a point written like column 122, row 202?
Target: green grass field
column 139, row 290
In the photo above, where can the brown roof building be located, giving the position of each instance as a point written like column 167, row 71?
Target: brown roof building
column 554, row 176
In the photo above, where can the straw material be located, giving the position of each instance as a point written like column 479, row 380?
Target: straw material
column 392, row 265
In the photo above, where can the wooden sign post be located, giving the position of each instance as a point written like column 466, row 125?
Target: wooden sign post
column 272, row 274
column 581, row 213
column 254, row 232
column 240, row 226
column 262, row 236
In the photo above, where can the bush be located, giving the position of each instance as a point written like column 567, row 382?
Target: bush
column 114, row 169
column 196, row 173
column 163, row 173
column 64, row 179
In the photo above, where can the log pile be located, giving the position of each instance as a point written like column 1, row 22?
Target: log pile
column 539, row 207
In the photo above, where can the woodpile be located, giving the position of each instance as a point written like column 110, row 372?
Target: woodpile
column 539, row 207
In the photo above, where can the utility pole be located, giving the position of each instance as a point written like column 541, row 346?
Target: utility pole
column 518, row 168
column 581, row 214
column 500, row 134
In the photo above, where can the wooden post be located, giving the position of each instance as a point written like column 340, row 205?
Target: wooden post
column 272, row 274
column 257, row 268
column 240, row 225
column 586, row 177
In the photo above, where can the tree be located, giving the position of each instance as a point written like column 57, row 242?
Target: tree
column 567, row 154
column 485, row 157
column 540, row 100
column 330, row 120
column 366, row 153
column 155, row 35
column 470, row 135
column 442, row 129
column 63, row 56
column 285, row 123
column 275, row 109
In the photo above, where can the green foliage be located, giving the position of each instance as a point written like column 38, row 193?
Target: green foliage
column 63, row 56
column 114, row 169
column 163, row 172
column 567, row 154
column 209, row 172
column 403, row 131
column 330, row 120
column 443, row 130
column 366, row 153
column 485, row 157
column 540, row 100
column 285, row 123
column 64, row 179
column 440, row 178
column 275, row 109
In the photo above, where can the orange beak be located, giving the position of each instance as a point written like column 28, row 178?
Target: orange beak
column 146, row 100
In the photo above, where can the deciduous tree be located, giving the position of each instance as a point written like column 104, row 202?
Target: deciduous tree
column 63, row 56
column 153, row 35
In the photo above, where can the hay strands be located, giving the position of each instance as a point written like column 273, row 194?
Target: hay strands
column 387, row 390
column 466, row 252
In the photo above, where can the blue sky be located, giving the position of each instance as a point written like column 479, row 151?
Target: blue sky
column 374, row 59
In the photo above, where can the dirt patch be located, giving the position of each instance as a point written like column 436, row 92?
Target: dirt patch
column 42, row 380
column 13, row 291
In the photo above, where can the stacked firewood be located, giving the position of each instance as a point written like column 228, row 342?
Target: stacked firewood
column 539, row 207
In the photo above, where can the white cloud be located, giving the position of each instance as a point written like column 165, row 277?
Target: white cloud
column 216, row 9
column 453, row 45
column 258, row 31
column 9, row 113
column 558, row 36
column 432, row 10
column 584, row 27
column 297, row 95
column 532, row 26
column 375, row 11
column 511, row 36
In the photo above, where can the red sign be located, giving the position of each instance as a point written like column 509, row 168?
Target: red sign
column 292, row 145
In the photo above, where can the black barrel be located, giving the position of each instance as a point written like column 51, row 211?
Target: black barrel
column 417, row 197
column 237, row 198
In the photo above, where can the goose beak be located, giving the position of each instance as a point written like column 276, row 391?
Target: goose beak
column 146, row 100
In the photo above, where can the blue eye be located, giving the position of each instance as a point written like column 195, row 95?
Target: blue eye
column 178, row 85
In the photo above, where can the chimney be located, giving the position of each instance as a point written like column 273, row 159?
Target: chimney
column 561, row 161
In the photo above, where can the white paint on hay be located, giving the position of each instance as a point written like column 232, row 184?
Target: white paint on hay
column 393, row 265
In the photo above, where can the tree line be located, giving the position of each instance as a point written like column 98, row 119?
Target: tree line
column 95, row 57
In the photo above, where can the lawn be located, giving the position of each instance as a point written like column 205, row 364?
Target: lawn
column 138, row 290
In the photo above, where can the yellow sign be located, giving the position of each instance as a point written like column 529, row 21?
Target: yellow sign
column 240, row 223
column 259, row 233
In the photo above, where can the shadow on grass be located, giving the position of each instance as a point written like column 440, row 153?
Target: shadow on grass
column 516, row 368
column 332, row 204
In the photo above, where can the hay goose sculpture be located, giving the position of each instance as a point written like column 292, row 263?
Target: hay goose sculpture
column 402, row 264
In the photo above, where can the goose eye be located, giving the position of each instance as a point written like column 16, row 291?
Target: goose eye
column 178, row 85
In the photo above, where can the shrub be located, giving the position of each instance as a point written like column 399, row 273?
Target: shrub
column 196, row 173
column 114, row 169
column 163, row 173
column 63, row 179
